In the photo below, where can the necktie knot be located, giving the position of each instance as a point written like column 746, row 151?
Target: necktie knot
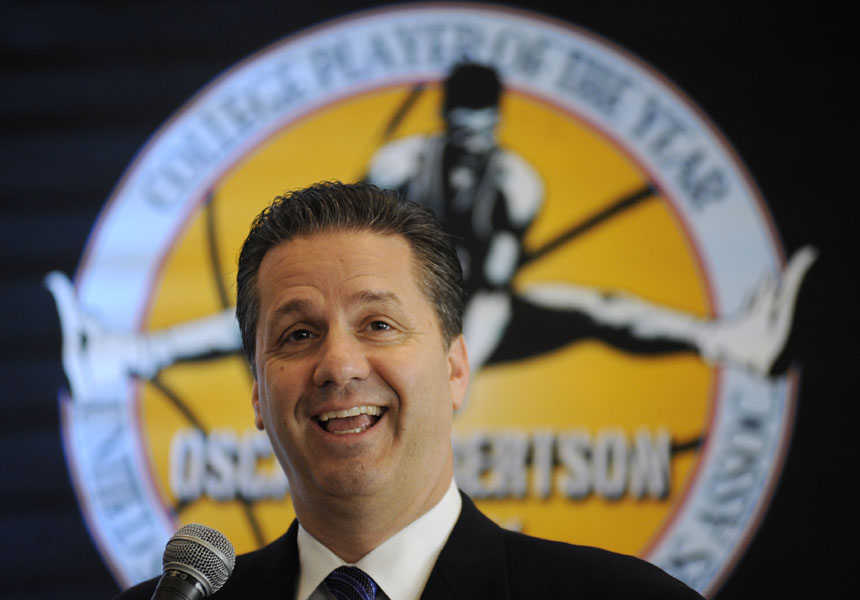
column 351, row 583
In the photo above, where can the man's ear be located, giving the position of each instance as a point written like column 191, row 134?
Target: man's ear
column 255, row 402
column 458, row 370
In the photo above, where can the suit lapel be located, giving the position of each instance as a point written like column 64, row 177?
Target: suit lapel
column 274, row 572
column 472, row 564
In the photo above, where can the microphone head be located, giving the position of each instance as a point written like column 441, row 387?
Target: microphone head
column 203, row 552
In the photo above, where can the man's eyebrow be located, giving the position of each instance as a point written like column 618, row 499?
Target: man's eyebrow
column 293, row 306
column 373, row 297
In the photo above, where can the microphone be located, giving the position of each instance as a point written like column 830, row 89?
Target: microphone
column 197, row 562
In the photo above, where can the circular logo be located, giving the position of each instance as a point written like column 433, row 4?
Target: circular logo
column 628, row 296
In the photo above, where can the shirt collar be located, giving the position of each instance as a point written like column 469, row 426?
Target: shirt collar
column 400, row 565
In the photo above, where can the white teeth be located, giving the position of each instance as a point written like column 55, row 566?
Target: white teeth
column 374, row 411
column 356, row 430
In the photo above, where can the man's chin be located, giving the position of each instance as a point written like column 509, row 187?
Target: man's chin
column 351, row 481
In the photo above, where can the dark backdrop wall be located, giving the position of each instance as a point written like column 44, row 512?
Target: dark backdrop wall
column 85, row 84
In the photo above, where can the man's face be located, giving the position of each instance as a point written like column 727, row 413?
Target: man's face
column 355, row 385
column 473, row 130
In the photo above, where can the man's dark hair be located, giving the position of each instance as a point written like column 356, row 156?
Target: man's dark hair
column 337, row 207
column 471, row 85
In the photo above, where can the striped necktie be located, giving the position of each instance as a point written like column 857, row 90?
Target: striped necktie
column 351, row 583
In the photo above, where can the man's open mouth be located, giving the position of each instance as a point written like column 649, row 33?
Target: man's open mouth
column 351, row 420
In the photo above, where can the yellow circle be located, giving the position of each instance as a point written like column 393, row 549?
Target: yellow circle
column 586, row 389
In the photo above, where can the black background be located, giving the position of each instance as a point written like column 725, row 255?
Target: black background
column 83, row 86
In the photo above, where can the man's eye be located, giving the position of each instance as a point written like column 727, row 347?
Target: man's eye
column 380, row 326
column 298, row 335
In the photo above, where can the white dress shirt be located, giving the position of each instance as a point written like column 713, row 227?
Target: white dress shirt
column 400, row 565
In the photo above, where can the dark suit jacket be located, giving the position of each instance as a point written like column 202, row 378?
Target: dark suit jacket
column 479, row 560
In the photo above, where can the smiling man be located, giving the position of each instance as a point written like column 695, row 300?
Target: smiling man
column 356, row 385
column 350, row 303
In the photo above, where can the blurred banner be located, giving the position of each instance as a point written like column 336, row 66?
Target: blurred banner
column 633, row 310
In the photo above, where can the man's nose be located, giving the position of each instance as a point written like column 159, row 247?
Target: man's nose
column 342, row 359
